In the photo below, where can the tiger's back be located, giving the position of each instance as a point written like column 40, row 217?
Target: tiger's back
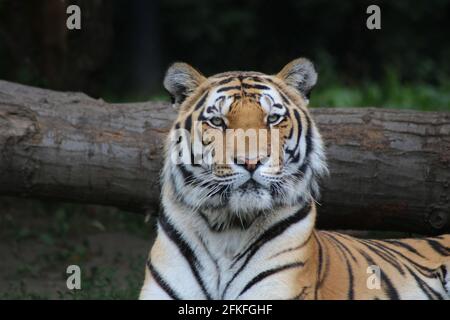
column 354, row 268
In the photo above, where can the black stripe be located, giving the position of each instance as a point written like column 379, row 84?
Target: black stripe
column 188, row 127
column 439, row 248
column 189, row 177
column 256, row 79
column 188, row 123
column 291, row 132
column 278, row 106
column 161, row 282
column 274, row 231
column 210, row 109
column 404, row 246
column 299, row 122
column 275, row 189
column 185, row 250
column 255, row 86
column 443, row 276
column 201, row 102
column 320, row 266
column 351, row 291
column 284, row 98
column 301, row 171
column 390, row 290
column 270, row 234
column 261, row 276
column 295, row 152
column 308, row 137
column 229, row 88
column 293, row 248
column 301, row 295
column 225, row 81
column 214, row 260
column 280, row 91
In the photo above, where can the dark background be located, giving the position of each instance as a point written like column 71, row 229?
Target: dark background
column 121, row 53
column 123, row 48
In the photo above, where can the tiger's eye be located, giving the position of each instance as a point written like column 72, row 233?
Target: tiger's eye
column 217, row 121
column 273, row 118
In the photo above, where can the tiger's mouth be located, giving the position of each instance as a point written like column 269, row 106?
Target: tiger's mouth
column 251, row 186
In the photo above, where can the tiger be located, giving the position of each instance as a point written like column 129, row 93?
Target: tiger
column 238, row 226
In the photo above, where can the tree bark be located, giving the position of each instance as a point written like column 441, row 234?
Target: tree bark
column 390, row 169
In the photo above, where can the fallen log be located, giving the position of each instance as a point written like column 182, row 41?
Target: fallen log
column 390, row 169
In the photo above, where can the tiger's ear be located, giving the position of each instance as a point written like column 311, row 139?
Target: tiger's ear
column 181, row 80
column 299, row 74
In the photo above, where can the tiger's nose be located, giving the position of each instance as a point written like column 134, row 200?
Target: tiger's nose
column 250, row 164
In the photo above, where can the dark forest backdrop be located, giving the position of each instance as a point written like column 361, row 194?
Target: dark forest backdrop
column 124, row 46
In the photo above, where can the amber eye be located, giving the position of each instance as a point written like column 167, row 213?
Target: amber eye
column 273, row 118
column 217, row 121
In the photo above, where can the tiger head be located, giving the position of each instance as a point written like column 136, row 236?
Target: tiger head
column 244, row 143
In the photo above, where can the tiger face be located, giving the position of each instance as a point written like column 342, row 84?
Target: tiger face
column 243, row 143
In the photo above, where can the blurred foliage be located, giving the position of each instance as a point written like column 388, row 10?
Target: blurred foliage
column 388, row 92
column 263, row 35
column 403, row 65
column 124, row 46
